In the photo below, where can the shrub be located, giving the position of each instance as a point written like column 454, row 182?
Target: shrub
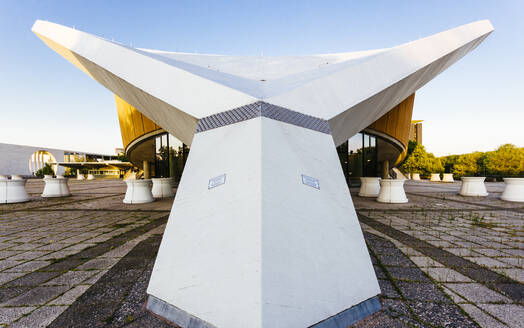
column 46, row 170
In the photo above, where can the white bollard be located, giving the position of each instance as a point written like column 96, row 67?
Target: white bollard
column 447, row 177
column 80, row 177
column 513, row 190
column 435, row 177
column 16, row 177
column 90, row 176
column 473, row 186
column 138, row 191
column 408, row 176
column 369, row 187
column 416, row 176
column 392, row 191
column 3, row 177
column 48, row 176
column 162, row 188
column 13, row 191
column 56, row 187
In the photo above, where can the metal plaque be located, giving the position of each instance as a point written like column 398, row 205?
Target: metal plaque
column 309, row 181
column 216, row 181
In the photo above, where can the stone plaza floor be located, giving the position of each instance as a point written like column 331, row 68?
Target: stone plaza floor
column 442, row 260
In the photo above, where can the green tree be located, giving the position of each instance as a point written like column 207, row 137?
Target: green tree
column 420, row 161
column 46, row 170
column 468, row 164
column 506, row 160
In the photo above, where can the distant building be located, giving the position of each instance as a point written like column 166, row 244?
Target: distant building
column 27, row 160
column 415, row 131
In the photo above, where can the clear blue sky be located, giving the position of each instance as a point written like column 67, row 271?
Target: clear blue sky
column 477, row 104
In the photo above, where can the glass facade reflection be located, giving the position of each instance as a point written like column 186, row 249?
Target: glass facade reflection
column 358, row 156
column 170, row 157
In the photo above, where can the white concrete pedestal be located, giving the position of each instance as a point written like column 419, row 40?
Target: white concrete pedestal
column 16, row 177
column 514, row 190
column 80, row 177
column 369, row 187
column 416, row 176
column 447, row 177
column 473, row 186
column 3, row 177
column 392, row 191
column 13, row 191
column 162, row 187
column 56, row 187
column 90, row 177
column 138, row 191
column 435, row 177
column 262, row 236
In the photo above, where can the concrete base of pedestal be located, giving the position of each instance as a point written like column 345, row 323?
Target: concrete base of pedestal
column 447, row 177
column 435, row 177
column 416, row 177
column 56, row 187
column 473, row 187
column 90, row 177
column 162, row 188
column 369, row 187
column 392, row 191
column 138, row 191
column 13, row 191
column 514, row 190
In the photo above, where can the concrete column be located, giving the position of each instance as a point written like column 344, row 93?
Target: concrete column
column 385, row 169
column 146, row 169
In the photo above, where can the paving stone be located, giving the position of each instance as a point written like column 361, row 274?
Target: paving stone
column 387, row 289
column 36, row 296
column 511, row 314
column 98, row 263
column 28, row 266
column 6, row 264
column 408, row 274
column 441, row 314
column 5, row 277
column 514, row 261
column 446, row 275
column 71, row 278
column 515, row 274
column 477, row 293
column 29, row 255
column 482, row 318
column 98, row 274
column 40, row 317
column 488, row 262
column 454, row 296
column 70, row 296
column 424, row 261
column 10, row 314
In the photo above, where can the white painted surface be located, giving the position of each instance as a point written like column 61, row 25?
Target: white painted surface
column 369, row 187
column 16, row 177
column 13, row 191
column 416, row 176
column 447, row 177
column 513, row 190
column 435, row 177
column 473, row 186
column 14, row 159
column 162, row 187
column 392, row 191
column 90, row 177
column 80, row 177
column 64, row 187
column 3, row 177
column 351, row 90
column 263, row 249
column 138, row 191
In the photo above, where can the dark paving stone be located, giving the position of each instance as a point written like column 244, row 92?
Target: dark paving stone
column 98, row 305
column 408, row 274
column 491, row 279
column 441, row 315
column 8, row 293
column 421, row 292
column 379, row 272
column 380, row 320
column 54, row 269
column 395, row 258
column 387, row 289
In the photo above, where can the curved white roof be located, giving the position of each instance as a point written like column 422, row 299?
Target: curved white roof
column 350, row 90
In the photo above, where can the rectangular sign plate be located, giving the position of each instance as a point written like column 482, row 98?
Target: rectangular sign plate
column 216, row 181
column 309, row 181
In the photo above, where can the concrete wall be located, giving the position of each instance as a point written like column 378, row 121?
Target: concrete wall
column 14, row 159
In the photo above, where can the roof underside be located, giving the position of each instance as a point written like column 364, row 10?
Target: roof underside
column 350, row 90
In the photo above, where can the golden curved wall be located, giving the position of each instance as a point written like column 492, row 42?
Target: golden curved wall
column 397, row 122
column 133, row 124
